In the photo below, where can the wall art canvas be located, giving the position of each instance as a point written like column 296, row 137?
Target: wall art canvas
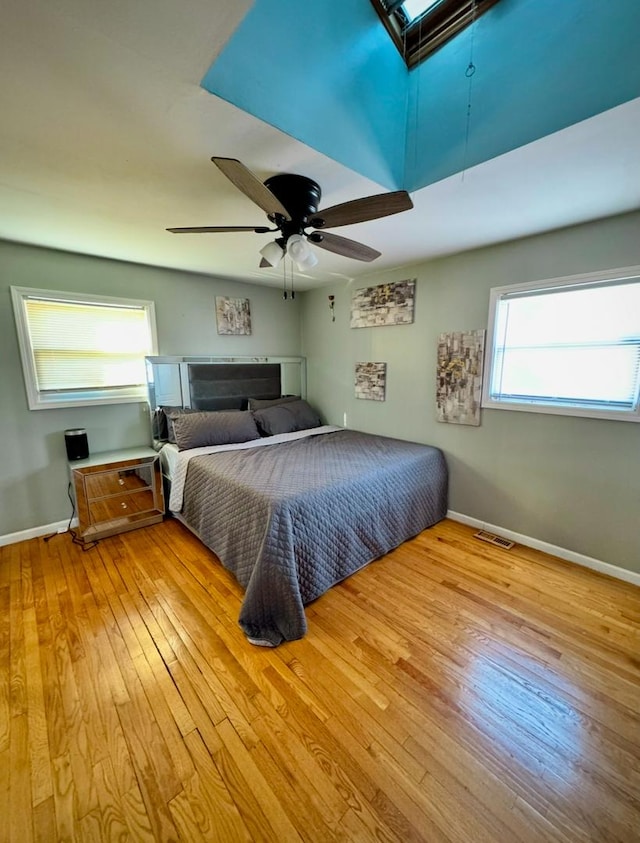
column 385, row 304
column 371, row 381
column 459, row 387
column 233, row 316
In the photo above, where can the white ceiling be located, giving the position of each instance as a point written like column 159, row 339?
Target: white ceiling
column 106, row 139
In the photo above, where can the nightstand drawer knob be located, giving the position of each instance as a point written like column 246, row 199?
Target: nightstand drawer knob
column 123, row 505
column 121, row 481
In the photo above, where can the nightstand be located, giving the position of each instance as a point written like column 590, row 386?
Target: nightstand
column 117, row 491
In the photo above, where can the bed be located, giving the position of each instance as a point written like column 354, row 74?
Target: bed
column 293, row 507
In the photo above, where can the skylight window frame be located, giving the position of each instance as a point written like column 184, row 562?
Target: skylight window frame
column 417, row 39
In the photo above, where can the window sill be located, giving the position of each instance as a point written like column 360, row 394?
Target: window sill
column 531, row 407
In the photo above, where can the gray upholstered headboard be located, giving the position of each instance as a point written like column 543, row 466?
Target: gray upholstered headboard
column 228, row 386
column 219, row 383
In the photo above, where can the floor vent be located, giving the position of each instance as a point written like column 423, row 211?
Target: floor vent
column 491, row 539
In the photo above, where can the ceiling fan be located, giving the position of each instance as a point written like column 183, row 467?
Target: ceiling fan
column 291, row 204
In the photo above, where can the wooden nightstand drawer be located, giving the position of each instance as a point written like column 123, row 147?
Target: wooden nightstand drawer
column 118, row 491
column 115, row 482
column 119, row 506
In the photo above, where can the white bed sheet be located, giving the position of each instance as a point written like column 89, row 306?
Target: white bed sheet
column 175, row 463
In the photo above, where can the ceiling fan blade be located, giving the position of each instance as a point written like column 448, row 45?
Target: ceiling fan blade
column 343, row 246
column 361, row 210
column 213, row 229
column 251, row 186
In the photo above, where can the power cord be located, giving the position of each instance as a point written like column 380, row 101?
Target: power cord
column 74, row 536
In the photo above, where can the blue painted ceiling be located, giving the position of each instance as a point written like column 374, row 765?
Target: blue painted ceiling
column 328, row 75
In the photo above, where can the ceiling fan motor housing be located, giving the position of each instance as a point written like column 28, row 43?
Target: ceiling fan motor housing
column 299, row 195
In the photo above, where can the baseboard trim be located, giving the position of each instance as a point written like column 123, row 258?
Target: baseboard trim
column 35, row 532
column 561, row 552
column 554, row 550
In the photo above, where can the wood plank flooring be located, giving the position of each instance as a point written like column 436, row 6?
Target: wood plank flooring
column 451, row 691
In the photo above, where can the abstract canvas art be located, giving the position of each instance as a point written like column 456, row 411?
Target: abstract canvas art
column 233, row 316
column 385, row 304
column 459, row 386
column 371, row 381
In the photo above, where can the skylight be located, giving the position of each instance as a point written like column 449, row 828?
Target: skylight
column 419, row 27
column 414, row 8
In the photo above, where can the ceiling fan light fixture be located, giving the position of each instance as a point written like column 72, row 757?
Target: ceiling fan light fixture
column 300, row 252
column 272, row 253
column 309, row 262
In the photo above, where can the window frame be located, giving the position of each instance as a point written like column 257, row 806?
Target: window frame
column 588, row 279
column 417, row 39
column 38, row 400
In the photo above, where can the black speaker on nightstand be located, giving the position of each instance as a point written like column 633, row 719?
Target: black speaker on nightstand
column 76, row 443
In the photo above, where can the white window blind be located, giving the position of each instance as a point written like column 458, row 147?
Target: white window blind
column 81, row 349
column 570, row 347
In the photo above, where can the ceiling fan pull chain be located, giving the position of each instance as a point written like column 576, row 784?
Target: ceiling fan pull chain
column 287, row 294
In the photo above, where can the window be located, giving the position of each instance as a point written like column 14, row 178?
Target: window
column 79, row 349
column 569, row 346
column 414, row 8
column 419, row 27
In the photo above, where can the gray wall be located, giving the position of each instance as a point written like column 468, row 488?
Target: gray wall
column 569, row 481
column 33, row 469
column 572, row 482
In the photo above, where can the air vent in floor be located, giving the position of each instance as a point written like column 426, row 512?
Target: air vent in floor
column 490, row 538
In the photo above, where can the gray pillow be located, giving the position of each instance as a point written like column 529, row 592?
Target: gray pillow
column 286, row 418
column 171, row 413
column 263, row 403
column 196, row 430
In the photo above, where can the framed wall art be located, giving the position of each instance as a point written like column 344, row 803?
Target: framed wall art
column 459, row 383
column 233, row 316
column 385, row 304
column 371, row 381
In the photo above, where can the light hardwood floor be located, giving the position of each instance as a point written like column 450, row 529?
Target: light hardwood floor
column 450, row 691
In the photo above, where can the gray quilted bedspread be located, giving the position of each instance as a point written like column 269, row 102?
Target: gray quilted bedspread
column 292, row 520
